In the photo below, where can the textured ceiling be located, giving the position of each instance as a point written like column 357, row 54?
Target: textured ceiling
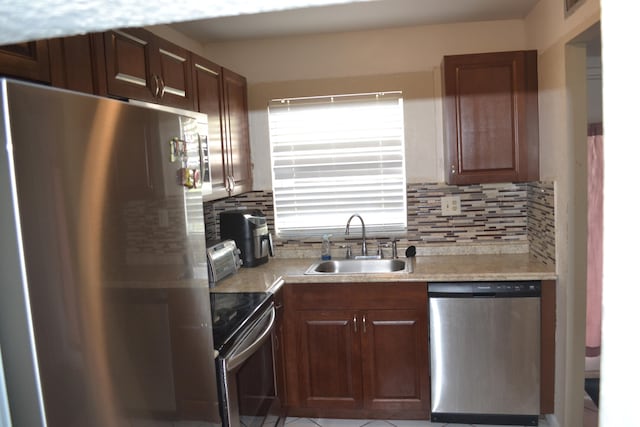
column 217, row 20
column 22, row 20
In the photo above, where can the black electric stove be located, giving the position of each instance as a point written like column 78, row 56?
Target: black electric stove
column 233, row 312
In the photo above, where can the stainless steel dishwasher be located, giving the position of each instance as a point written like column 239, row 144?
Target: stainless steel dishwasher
column 485, row 352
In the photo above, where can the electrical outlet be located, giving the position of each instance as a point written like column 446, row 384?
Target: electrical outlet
column 450, row 205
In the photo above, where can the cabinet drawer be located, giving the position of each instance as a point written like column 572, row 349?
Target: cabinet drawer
column 362, row 295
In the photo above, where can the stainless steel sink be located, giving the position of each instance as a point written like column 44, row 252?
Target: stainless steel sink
column 358, row 266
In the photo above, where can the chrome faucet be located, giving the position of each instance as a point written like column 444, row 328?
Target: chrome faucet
column 364, row 235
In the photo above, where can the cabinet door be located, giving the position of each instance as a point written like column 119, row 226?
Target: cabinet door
column 207, row 81
column 328, row 349
column 145, row 67
column 73, row 63
column 174, row 71
column 395, row 361
column 28, row 60
column 238, row 150
column 491, row 117
column 128, row 56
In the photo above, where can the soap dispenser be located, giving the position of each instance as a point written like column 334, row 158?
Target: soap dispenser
column 326, row 247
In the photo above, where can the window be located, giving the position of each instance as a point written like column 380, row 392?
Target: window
column 335, row 156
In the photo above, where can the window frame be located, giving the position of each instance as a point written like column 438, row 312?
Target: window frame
column 389, row 176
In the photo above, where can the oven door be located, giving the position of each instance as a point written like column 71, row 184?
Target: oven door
column 246, row 377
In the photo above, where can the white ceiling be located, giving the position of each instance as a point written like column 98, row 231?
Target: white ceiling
column 22, row 20
column 362, row 15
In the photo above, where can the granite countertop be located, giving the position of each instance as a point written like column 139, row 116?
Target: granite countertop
column 270, row 276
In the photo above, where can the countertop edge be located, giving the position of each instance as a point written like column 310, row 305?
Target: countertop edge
column 273, row 275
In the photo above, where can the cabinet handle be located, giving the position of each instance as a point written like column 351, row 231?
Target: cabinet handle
column 355, row 324
column 453, row 169
column 232, row 183
column 364, row 323
column 162, row 87
column 156, row 85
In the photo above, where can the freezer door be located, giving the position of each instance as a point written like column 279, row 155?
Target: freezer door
column 485, row 355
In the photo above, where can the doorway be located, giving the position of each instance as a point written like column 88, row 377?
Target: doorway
column 588, row 187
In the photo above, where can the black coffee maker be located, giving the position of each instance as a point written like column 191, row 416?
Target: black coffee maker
column 248, row 228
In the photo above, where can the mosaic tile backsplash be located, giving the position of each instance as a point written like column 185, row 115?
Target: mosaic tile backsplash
column 495, row 218
column 541, row 221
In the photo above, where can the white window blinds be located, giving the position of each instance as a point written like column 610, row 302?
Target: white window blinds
column 336, row 156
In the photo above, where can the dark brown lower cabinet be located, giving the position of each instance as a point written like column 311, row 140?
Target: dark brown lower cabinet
column 547, row 346
column 278, row 351
column 393, row 360
column 357, row 350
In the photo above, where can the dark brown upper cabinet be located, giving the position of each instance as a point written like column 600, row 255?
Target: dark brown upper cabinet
column 133, row 63
column 67, row 62
column 491, row 117
column 236, row 133
column 28, row 60
column 207, row 82
column 143, row 66
column 222, row 95
column 77, row 63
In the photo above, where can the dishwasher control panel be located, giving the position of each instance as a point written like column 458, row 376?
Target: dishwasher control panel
column 507, row 289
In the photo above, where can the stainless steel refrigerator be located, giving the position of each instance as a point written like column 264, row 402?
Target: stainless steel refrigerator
column 104, row 309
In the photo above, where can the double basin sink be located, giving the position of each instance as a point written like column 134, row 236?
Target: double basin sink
column 359, row 266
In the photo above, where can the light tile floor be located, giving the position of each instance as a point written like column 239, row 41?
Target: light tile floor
column 325, row 422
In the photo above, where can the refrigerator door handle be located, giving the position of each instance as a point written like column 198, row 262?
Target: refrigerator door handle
column 204, row 163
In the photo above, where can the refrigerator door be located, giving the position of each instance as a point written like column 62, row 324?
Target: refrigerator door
column 112, row 264
column 5, row 418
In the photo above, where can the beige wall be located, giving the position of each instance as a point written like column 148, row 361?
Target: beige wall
column 421, row 109
column 178, row 38
column 363, row 53
column 406, row 59
column 563, row 117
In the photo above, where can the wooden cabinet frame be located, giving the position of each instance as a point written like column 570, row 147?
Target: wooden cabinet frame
column 28, row 60
column 357, row 350
column 491, row 117
column 222, row 95
column 142, row 66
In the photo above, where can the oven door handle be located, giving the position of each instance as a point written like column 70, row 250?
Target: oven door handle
column 243, row 352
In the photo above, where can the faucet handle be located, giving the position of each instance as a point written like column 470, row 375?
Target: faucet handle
column 348, row 254
column 380, row 253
